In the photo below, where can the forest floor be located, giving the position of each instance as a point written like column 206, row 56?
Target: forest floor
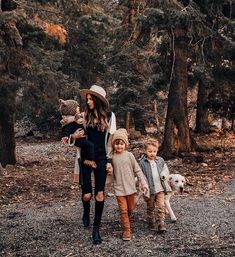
column 40, row 207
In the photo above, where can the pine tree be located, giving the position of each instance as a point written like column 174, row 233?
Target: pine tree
column 183, row 24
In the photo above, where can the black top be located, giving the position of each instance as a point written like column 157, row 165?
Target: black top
column 98, row 139
column 70, row 128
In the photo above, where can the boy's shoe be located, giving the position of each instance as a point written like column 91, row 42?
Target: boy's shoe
column 91, row 164
column 151, row 223
column 126, row 236
column 162, row 227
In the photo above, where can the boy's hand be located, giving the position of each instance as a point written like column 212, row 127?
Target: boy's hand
column 64, row 140
column 109, row 168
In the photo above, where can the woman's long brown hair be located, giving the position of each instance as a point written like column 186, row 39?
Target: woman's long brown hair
column 97, row 116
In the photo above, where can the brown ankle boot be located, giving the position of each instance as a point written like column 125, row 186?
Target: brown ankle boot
column 91, row 164
column 162, row 227
column 151, row 223
column 126, row 235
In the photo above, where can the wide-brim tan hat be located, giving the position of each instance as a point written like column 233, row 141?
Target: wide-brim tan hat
column 98, row 91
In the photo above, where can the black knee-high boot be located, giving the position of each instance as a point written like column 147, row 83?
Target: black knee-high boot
column 99, row 206
column 86, row 213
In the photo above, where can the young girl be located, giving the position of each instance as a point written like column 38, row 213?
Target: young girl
column 155, row 170
column 125, row 167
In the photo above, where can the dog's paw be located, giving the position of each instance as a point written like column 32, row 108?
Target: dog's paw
column 174, row 220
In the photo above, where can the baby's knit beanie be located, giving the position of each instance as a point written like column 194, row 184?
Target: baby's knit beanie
column 68, row 107
column 121, row 134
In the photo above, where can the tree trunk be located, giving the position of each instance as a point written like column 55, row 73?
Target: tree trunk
column 129, row 121
column 135, row 7
column 202, row 120
column 7, row 138
column 156, row 115
column 176, row 137
column 233, row 124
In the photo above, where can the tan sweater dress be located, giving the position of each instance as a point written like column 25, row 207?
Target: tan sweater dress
column 125, row 168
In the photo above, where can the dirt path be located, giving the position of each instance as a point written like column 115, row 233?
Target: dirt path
column 41, row 212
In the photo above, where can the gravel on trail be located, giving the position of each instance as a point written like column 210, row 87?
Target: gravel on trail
column 32, row 225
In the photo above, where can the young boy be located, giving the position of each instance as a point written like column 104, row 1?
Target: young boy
column 125, row 168
column 70, row 110
column 155, row 170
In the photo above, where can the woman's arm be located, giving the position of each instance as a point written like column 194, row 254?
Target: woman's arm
column 109, row 145
column 109, row 136
column 77, row 134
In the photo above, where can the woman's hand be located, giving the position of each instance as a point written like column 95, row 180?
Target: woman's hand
column 78, row 133
column 109, row 168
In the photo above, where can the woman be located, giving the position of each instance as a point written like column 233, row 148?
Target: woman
column 100, row 126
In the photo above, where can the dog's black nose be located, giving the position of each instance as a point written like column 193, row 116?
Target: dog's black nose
column 181, row 189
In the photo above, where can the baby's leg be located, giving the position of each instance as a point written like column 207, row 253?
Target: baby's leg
column 88, row 153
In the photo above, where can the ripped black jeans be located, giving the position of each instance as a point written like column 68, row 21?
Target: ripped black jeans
column 100, row 178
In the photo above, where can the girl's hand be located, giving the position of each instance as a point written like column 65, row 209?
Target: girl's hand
column 109, row 168
column 64, row 140
column 145, row 189
column 78, row 133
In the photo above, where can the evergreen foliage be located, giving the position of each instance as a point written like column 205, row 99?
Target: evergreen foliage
column 51, row 49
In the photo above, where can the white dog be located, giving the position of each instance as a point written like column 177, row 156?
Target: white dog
column 177, row 183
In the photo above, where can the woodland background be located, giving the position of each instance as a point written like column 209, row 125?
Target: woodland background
column 150, row 56
column 168, row 69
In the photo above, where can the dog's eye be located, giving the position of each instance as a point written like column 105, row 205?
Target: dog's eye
column 177, row 181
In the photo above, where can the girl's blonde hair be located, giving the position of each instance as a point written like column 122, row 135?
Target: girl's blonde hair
column 152, row 142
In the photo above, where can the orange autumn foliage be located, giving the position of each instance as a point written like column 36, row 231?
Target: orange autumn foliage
column 53, row 30
column 56, row 31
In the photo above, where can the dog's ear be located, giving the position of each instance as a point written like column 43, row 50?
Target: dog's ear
column 170, row 178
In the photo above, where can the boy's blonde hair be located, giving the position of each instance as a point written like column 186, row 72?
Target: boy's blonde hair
column 152, row 142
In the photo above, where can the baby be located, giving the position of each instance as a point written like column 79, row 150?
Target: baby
column 72, row 120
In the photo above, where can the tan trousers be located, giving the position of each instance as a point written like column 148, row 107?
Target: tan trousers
column 156, row 202
column 126, row 207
